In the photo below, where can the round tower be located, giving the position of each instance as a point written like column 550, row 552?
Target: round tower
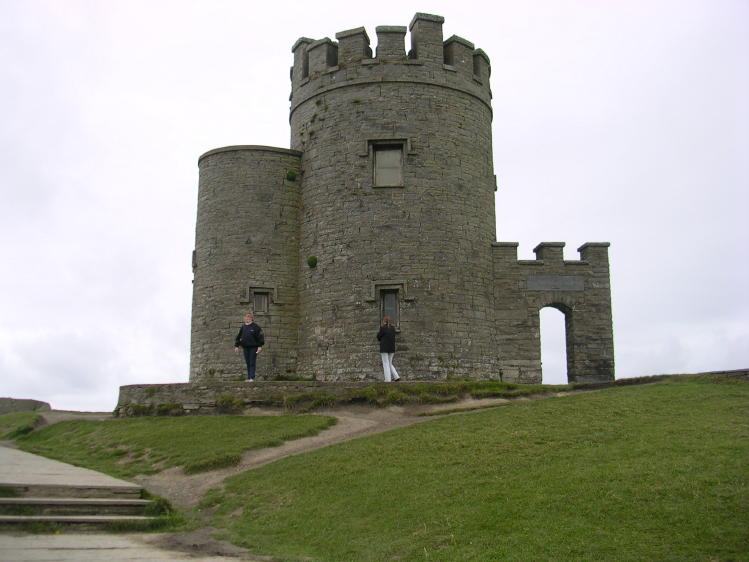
column 397, row 202
column 245, row 258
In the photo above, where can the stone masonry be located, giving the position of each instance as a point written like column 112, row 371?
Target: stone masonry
column 212, row 397
column 9, row 405
column 383, row 204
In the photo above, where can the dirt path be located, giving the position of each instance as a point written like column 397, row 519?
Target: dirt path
column 185, row 491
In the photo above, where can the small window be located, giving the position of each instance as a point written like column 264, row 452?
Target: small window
column 260, row 301
column 388, row 164
column 389, row 305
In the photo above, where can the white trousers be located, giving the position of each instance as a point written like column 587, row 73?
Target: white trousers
column 388, row 367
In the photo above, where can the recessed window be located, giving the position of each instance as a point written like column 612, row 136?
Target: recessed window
column 389, row 305
column 388, row 164
column 260, row 301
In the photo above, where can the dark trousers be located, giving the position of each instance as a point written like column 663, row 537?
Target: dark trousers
column 250, row 357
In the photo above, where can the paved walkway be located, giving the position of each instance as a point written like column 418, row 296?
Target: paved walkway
column 19, row 467
column 17, row 547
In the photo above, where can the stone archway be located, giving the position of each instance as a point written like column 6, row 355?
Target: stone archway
column 555, row 334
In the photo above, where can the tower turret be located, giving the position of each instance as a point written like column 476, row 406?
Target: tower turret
column 397, row 198
column 246, row 257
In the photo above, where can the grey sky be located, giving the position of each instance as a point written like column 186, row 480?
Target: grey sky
column 620, row 121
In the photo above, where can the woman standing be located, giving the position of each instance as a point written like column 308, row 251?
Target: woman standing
column 251, row 340
column 386, row 336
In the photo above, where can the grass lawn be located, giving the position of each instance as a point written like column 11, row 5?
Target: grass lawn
column 652, row 472
column 15, row 424
column 126, row 447
column 386, row 394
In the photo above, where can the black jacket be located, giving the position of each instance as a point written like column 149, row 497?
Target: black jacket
column 250, row 335
column 386, row 335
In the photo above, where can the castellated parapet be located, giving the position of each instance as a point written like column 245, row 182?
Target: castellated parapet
column 389, row 184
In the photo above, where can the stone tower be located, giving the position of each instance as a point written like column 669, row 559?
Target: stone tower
column 383, row 205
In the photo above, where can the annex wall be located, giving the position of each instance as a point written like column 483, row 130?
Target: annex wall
column 580, row 289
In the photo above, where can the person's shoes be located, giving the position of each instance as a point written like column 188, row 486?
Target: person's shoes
column 397, row 380
column 250, row 380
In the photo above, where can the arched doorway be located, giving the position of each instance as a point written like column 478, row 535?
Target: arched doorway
column 553, row 346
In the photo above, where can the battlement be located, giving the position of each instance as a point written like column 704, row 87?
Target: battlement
column 551, row 253
column 321, row 65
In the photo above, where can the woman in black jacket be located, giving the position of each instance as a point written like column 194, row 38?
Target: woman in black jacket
column 386, row 336
column 250, row 340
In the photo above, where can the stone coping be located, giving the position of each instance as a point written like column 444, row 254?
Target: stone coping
column 251, row 147
column 202, row 397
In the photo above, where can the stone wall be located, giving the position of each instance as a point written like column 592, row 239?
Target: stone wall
column 579, row 289
column 246, row 241
column 10, row 405
column 202, row 397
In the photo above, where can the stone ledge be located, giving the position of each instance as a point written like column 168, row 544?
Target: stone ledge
column 202, row 397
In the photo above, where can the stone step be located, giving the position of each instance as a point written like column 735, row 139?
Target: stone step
column 133, row 492
column 92, row 520
column 72, row 506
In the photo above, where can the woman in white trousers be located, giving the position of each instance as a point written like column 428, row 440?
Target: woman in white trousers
column 386, row 336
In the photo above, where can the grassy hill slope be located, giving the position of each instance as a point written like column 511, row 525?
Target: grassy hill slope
column 653, row 472
column 649, row 472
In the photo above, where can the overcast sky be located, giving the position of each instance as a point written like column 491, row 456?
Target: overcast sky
column 621, row 121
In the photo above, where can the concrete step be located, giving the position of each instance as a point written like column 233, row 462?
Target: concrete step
column 36, row 491
column 72, row 506
column 90, row 520
column 132, row 491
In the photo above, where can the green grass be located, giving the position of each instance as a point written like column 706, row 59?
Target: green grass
column 652, row 472
column 17, row 423
column 126, row 447
column 403, row 393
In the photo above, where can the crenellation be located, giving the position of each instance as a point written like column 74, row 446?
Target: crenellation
column 323, row 55
column 550, row 252
column 322, row 65
column 482, row 68
column 426, row 38
column 595, row 252
column 300, row 69
column 353, row 46
column 505, row 253
column 458, row 53
column 391, row 42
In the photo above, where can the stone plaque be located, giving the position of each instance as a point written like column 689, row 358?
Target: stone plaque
column 556, row 283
